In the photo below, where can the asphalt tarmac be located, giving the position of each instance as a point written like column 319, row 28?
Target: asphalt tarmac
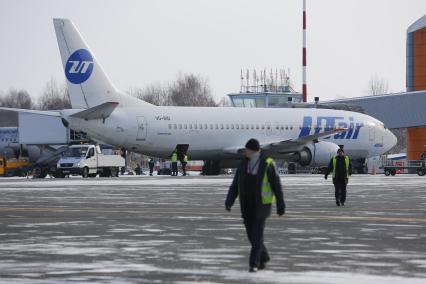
column 175, row 230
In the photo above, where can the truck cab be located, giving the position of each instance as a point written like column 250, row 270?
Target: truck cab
column 88, row 161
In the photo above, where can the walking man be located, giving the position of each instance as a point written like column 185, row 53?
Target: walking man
column 257, row 184
column 174, row 160
column 151, row 165
column 341, row 168
column 138, row 170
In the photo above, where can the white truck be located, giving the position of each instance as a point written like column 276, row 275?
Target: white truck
column 88, row 161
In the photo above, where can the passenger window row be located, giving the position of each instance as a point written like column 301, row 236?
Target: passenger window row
column 242, row 126
column 221, row 126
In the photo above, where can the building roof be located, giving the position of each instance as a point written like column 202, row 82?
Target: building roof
column 417, row 25
column 399, row 110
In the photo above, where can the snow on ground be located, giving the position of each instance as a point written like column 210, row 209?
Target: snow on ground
column 141, row 229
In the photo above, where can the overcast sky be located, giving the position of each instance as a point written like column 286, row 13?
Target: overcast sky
column 146, row 41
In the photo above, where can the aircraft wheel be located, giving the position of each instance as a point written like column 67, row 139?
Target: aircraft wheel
column 38, row 172
column 113, row 172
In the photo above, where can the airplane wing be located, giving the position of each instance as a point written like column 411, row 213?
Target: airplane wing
column 43, row 112
column 290, row 145
column 101, row 111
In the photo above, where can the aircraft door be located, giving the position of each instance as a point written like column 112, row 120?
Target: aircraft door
column 142, row 131
column 378, row 138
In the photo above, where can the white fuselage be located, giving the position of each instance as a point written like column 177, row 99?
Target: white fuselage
column 210, row 131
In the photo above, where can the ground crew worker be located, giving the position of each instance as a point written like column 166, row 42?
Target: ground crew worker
column 151, row 165
column 341, row 168
column 174, row 160
column 257, row 184
column 138, row 170
column 184, row 162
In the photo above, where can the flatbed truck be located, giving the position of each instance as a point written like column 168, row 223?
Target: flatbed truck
column 88, row 161
column 392, row 167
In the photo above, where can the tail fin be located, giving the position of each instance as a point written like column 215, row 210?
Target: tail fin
column 88, row 85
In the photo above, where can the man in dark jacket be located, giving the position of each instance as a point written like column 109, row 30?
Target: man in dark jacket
column 341, row 168
column 151, row 165
column 257, row 184
column 138, row 170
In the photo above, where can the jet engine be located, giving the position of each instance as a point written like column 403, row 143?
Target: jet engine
column 318, row 154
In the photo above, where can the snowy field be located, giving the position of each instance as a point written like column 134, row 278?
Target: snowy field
column 175, row 230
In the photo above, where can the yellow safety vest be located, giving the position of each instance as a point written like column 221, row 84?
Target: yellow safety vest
column 268, row 197
column 174, row 157
column 346, row 164
column 185, row 158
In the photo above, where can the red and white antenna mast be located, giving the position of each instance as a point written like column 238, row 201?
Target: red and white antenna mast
column 304, row 86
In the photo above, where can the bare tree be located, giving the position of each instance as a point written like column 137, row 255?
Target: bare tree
column 187, row 90
column 17, row 99
column 54, row 97
column 156, row 94
column 224, row 102
column 378, row 86
column 14, row 99
column 191, row 90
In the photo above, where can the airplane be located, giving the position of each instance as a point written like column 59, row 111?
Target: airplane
column 216, row 134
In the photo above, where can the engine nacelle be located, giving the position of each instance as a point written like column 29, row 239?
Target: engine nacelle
column 318, row 154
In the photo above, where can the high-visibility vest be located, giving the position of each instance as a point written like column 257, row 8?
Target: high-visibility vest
column 185, row 158
column 174, row 157
column 346, row 164
column 267, row 194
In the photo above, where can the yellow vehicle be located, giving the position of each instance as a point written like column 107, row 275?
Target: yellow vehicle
column 13, row 167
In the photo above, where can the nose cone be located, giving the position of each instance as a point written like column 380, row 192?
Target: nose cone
column 390, row 141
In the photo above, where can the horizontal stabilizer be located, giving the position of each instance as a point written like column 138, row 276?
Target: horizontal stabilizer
column 101, row 111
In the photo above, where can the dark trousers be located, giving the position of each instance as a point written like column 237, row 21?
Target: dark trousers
column 340, row 190
column 184, row 168
column 151, row 169
column 258, row 253
column 174, row 169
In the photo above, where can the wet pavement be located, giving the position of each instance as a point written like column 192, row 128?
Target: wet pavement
column 175, row 230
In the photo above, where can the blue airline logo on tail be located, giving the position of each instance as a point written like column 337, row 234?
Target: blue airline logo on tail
column 79, row 66
column 327, row 123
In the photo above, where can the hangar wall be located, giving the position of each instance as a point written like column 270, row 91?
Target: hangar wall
column 416, row 81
